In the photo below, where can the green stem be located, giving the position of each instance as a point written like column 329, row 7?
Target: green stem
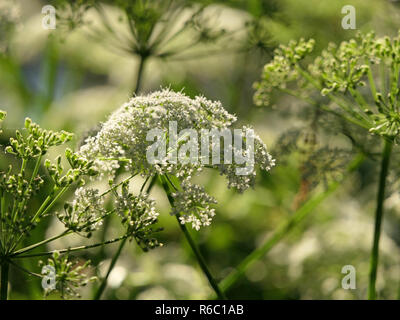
column 359, row 119
column 36, row 169
column 2, row 213
column 110, row 268
column 4, row 280
column 285, row 228
column 193, row 246
column 59, row 195
column 23, row 166
column 42, row 211
column 387, row 150
column 201, row 261
column 90, row 246
column 139, row 77
column 121, row 246
column 29, row 248
column 26, row 270
column 371, row 80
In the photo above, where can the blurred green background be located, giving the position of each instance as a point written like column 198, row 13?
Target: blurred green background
column 67, row 79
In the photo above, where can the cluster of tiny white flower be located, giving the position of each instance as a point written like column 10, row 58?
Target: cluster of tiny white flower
column 193, row 203
column 244, row 181
column 85, row 213
column 121, row 140
column 123, row 136
column 138, row 214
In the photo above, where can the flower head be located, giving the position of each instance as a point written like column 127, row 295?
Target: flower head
column 64, row 276
column 194, row 205
column 85, row 213
column 123, row 140
column 338, row 76
column 138, row 214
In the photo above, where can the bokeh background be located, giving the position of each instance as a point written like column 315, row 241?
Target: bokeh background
column 71, row 78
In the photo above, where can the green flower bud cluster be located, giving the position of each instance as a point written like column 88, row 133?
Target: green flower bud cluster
column 36, row 142
column 341, row 68
column 68, row 276
column 18, row 186
column 3, row 115
column 80, row 167
column 281, row 70
column 339, row 74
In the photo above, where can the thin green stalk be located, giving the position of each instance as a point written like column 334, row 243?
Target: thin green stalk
column 42, row 211
column 382, row 74
column 90, row 246
column 193, row 246
column 14, row 212
column 26, row 270
column 103, row 284
column 387, row 150
column 23, row 166
column 142, row 60
column 117, row 185
column 336, row 100
column 59, row 195
column 371, row 80
column 111, row 267
column 34, row 173
column 2, row 213
column 203, row 265
column 38, row 244
column 36, row 169
column 4, row 280
column 285, row 228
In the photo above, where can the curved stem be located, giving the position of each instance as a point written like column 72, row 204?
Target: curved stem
column 193, row 246
column 387, row 150
column 90, row 246
column 110, row 268
column 201, row 261
column 42, row 211
column 4, row 280
column 298, row 216
column 139, row 76
column 38, row 244
column 26, row 270
column 103, row 284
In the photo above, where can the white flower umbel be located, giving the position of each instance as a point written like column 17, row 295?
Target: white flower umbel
column 123, row 140
column 138, row 214
column 194, row 205
column 85, row 213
